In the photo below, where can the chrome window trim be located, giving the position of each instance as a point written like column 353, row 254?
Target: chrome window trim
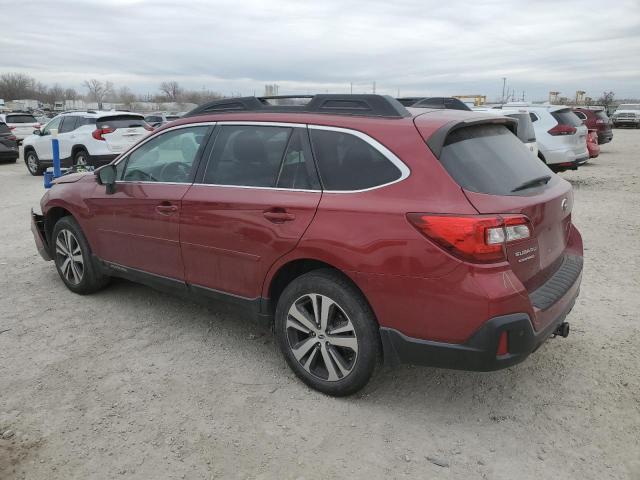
column 388, row 154
column 151, row 136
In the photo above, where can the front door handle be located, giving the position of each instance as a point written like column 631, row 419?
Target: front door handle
column 166, row 208
column 278, row 215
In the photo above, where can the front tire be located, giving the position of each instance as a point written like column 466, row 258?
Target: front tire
column 327, row 333
column 73, row 258
column 33, row 163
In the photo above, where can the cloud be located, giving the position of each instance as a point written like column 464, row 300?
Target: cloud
column 415, row 47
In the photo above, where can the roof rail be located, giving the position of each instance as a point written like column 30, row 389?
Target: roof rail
column 363, row 105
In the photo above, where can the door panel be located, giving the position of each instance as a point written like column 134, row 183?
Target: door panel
column 231, row 236
column 138, row 226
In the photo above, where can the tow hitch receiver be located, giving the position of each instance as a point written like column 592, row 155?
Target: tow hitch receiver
column 562, row 330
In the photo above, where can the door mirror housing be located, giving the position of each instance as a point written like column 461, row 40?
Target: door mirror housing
column 107, row 176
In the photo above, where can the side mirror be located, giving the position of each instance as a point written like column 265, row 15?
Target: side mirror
column 107, row 176
column 37, row 132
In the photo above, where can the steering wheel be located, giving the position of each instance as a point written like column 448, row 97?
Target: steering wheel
column 174, row 172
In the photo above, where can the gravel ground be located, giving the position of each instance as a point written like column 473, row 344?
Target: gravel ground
column 132, row 383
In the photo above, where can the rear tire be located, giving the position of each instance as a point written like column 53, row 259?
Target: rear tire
column 81, row 158
column 327, row 333
column 33, row 163
column 73, row 259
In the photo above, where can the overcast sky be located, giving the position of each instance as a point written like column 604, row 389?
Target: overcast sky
column 415, row 47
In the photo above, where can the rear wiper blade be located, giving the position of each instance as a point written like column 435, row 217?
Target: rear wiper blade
column 532, row 183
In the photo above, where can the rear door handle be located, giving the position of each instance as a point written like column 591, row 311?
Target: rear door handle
column 278, row 215
column 165, row 208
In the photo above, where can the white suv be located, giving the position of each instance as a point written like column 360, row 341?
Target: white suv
column 627, row 114
column 21, row 124
column 560, row 134
column 85, row 138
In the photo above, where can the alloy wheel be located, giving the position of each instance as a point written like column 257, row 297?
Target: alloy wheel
column 32, row 163
column 69, row 256
column 321, row 337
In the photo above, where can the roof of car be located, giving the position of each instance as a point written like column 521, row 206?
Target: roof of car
column 100, row 113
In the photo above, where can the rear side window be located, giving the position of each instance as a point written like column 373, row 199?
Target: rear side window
column 490, row 159
column 120, row 121
column 21, row 119
column 533, row 116
column 347, row 162
column 566, row 117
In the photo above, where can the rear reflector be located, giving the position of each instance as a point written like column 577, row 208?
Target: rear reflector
column 477, row 238
column 503, row 345
column 562, row 129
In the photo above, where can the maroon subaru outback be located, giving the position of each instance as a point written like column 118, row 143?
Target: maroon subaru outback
column 357, row 228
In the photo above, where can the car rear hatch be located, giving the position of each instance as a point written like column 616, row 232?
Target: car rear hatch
column 603, row 122
column 571, row 128
column 501, row 178
column 121, row 131
column 22, row 124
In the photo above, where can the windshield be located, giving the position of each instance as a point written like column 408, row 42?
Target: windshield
column 21, row 119
column 566, row 117
column 490, row 159
column 629, row 106
column 120, row 121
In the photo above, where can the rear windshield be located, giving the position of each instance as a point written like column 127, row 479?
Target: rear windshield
column 4, row 128
column 490, row 159
column 120, row 121
column 567, row 117
column 21, row 119
column 602, row 114
column 526, row 133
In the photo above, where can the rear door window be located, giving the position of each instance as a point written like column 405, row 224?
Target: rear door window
column 490, row 159
column 120, row 121
column 21, row 119
column 566, row 117
column 247, row 155
column 346, row 162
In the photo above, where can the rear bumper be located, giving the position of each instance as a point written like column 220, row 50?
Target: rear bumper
column 479, row 352
column 9, row 155
column 39, row 235
column 553, row 300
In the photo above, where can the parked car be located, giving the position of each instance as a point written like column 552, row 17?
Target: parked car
column 21, row 124
column 356, row 228
column 560, row 134
column 627, row 115
column 595, row 118
column 434, row 102
column 525, row 131
column 8, row 144
column 160, row 118
column 85, row 138
column 592, row 144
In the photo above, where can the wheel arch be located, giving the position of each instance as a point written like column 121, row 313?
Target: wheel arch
column 282, row 275
column 76, row 148
column 53, row 215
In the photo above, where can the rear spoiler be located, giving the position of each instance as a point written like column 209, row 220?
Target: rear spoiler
column 437, row 140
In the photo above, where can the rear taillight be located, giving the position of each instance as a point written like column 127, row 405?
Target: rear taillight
column 12, row 128
column 98, row 133
column 477, row 238
column 37, row 126
column 562, row 129
column 148, row 127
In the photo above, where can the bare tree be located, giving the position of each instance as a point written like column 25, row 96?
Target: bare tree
column 98, row 91
column 171, row 90
column 15, row 86
column 126, row 96
column 606, row 100
column 70, row 94
column 56, row 93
